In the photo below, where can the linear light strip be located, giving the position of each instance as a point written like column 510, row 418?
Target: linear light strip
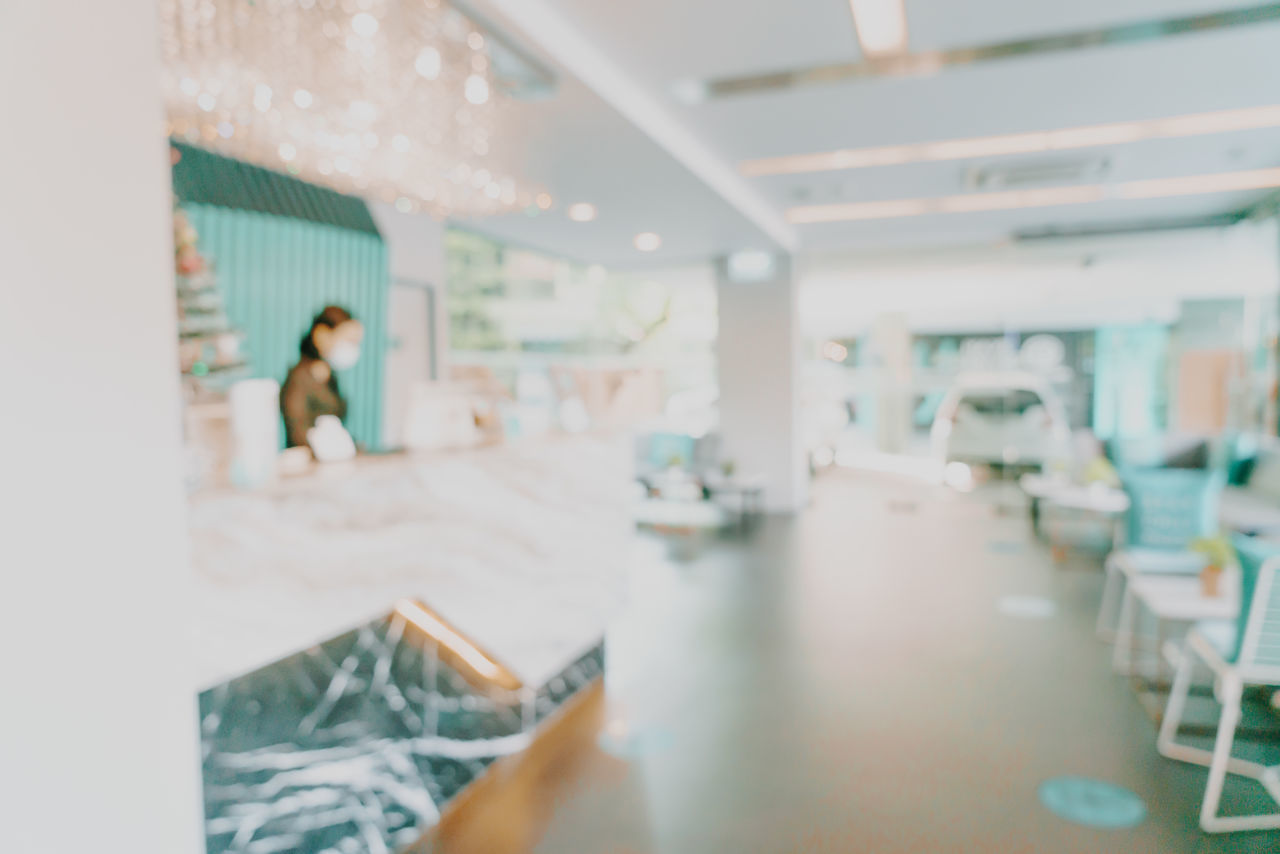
column 1223, row 182
column 1065, row 139
column 444, row 634
column 931, row 62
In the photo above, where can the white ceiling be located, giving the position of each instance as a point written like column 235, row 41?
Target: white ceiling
column 583, row 150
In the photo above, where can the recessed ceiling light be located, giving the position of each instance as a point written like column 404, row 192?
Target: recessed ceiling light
column 582, row 212
column 647, row 241
column 1195, row 124
column 1223, row 182
column 881, row 26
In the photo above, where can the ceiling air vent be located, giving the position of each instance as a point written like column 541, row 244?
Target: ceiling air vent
column 1022, row 174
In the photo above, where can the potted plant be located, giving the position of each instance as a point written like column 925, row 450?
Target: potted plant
column 1219, row 554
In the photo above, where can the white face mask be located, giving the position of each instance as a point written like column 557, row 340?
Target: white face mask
column 344, row 355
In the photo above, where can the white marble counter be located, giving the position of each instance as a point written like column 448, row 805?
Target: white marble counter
column 522, row 547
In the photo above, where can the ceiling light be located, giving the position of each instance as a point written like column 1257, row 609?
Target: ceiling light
column 428, row 63
column 647, row 241
column 1011, row 199
column 582, row 212
column 857, row 210
column 881, row 26
column 262, row 97
column 1089, row 136
column 397, row 109
column 1224, row 182
column 364, row 24
column 962, row 149
column 477, row 89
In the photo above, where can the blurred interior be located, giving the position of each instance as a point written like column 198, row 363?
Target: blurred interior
column 564, row 426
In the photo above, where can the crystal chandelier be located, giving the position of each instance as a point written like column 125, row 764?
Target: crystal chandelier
column 388, row 99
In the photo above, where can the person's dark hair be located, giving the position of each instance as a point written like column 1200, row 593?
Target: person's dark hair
column 332, row 316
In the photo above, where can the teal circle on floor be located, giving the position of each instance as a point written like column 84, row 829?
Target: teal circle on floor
column 1027, row 607
column 1093, row 803
column 634, row 743
column 1004, row 547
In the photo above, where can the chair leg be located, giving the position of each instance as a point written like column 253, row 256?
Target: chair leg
column 1122, row 655
column 1166, row 743
column 1231, row 691
column 1210, row 821
column 1111, row 589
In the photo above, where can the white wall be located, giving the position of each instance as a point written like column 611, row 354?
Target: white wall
column 415, row 245
column 98, row 728
column 1052, row 284
column 758, row 358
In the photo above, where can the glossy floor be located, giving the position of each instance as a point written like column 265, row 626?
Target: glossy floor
column 849, row 682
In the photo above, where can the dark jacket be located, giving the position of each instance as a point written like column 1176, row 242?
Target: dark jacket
column 303, row 399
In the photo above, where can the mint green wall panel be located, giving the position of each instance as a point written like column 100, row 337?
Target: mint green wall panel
column 277, row 272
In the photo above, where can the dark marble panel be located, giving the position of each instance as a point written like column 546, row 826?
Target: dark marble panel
column 356, row 745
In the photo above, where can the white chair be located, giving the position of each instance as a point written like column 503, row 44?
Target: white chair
column 1237, row 657
column 1125, row 564
column 1168, row 508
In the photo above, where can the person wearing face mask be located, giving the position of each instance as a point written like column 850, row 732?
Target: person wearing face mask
column 311, row 388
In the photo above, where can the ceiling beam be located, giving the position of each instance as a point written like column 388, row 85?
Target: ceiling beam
column 546, row 27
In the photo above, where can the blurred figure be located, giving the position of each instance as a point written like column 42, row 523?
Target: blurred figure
column 310, row 391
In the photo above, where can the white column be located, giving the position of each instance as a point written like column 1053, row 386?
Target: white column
column 758, row 356
column 98, row 728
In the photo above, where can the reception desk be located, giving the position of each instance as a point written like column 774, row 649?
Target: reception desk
column 372, row 637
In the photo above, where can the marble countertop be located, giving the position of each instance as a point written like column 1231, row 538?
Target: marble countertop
column 521, row 547
column 359, row 743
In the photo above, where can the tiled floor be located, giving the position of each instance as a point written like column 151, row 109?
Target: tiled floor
column 846, row 683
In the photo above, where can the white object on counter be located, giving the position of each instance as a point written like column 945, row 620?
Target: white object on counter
column 255, row 431
column 330, row 441
column 441, row 416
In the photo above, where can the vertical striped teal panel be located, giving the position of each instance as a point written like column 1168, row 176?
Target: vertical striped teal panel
column 276, row 273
